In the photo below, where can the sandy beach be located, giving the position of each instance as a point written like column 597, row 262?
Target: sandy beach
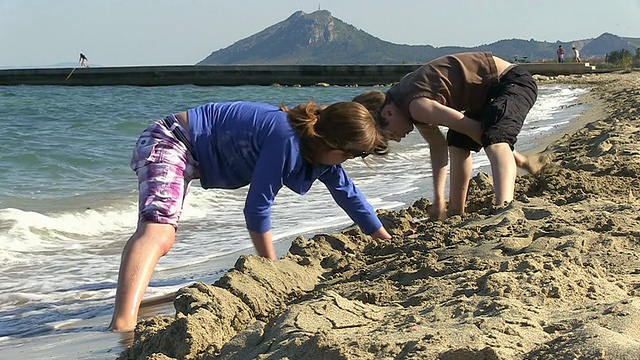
column 555, row 275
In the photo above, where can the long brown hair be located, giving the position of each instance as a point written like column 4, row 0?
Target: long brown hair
column 346, row 126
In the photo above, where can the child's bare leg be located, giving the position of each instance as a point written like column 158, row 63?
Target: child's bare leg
column 461, row 164
column 503, row 168
column 139, row 258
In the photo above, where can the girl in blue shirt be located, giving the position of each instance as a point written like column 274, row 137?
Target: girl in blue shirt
column 230, row 145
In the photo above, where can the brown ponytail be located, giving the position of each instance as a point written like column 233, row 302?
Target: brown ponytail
column 340, row 126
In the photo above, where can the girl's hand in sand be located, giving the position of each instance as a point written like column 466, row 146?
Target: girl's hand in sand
column 381, row 234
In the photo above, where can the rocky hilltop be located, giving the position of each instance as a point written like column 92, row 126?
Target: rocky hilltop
column 320, row 38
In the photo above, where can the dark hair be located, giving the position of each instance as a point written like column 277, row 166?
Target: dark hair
column 346, row 126
column 374, row 101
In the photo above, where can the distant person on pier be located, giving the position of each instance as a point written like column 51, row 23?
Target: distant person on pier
column 576, row 55
column 560, row 53
column 482, row 100
column 84, row 62
column 230, row 145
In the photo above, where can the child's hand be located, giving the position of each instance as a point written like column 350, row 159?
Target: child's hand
column 381, row 234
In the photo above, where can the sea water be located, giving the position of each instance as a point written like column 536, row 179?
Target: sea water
column 68, row 197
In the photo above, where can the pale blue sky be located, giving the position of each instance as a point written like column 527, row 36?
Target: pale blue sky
column 155, row 32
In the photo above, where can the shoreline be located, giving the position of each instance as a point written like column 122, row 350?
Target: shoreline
column 554, row 275
column 595, row 111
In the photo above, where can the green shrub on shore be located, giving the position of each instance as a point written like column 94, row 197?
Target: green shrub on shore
column 624, row 58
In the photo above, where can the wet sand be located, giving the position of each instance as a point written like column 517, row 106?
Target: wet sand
column 554, row 275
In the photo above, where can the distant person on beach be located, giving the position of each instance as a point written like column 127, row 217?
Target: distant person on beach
column 482, row 100
column 231, row 145
column 84, row 62
column 560, row 53
column 576, row 55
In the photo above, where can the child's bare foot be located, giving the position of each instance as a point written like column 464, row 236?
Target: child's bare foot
column 532, row 163
column 437, row 213
column 507, row 205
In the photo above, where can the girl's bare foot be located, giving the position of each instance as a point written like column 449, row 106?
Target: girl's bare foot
column 532, row 163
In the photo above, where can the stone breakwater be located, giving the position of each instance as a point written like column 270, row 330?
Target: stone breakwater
column 236, row 75
column 555, row 275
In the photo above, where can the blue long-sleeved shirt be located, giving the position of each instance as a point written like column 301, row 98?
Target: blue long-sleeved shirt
column 240, row 143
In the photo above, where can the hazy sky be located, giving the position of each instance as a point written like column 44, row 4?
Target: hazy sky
column 154, row 32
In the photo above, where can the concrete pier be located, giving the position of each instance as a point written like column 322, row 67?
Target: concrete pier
column 234, row 75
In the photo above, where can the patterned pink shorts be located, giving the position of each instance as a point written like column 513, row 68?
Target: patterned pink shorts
column 165, row 169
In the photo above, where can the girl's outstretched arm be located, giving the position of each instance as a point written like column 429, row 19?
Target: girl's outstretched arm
column 439, row 161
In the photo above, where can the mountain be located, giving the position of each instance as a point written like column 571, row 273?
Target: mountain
column 320, row 38
column 316, row 38
column 607, row 43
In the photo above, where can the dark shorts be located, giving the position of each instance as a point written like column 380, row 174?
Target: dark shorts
column 503, row 114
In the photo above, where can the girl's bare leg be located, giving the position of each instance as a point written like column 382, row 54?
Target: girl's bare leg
column 503, row 168
column 139, row 258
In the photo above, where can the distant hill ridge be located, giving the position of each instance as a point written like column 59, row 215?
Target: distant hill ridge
column 320, row 38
